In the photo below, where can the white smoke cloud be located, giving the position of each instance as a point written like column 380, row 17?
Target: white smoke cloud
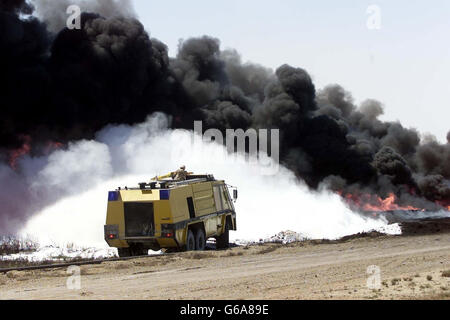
column 85, row 161
column 81, row 176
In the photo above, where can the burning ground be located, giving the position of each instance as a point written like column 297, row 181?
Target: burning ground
column 63, row 86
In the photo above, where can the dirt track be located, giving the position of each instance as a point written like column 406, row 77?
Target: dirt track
column 310, row 270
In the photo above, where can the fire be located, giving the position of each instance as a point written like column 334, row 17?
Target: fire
column 374, row 203
column 51, row 146
column 25, row 149
column 444, row 203
column 17, row 153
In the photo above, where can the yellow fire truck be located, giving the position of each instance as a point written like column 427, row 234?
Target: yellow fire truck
column 170, row 214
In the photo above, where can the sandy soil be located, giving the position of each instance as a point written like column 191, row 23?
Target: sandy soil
column 411, row 267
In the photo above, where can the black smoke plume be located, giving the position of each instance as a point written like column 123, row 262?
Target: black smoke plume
column 65, row 85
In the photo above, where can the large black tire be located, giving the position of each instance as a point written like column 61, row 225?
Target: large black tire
column 200, row 240
column 190, row 241
column 135, row 250
column 138, row 250
column 142, row 252
column 124, row 252
column 223, row 241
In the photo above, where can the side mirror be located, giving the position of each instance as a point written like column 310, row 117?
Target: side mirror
column 235, row 195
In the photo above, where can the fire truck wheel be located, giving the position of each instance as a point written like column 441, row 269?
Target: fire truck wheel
column 223, row 241
column 190, row 241
column 200, row 241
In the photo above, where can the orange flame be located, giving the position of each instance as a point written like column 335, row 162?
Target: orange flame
column 388, row 204
column 25, row 149
column 17, row 153
column 51, row 146
column 444, row 203
column 373, row 203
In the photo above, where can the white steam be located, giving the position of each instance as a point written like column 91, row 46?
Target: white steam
column 81, row 176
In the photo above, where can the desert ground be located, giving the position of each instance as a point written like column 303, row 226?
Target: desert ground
column 415, row 266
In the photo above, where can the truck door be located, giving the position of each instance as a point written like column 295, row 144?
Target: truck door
column 218, row 198
column 227, row 202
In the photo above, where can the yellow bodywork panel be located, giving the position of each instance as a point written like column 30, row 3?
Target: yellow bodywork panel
column 139, row 195
column 162, row 214
column 178, row 203
column 203, row 198
column 115, row 217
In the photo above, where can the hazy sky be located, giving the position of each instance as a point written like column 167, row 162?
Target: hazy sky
column 405, row 64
